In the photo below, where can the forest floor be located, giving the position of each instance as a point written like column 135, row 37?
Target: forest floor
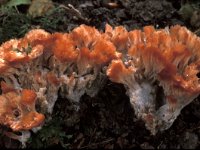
column 106, row 120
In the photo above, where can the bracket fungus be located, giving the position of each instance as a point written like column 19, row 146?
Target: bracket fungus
column 157, row 67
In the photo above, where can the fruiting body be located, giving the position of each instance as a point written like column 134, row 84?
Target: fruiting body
column 158, row 68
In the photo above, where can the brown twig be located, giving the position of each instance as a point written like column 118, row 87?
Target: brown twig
column 74, row 11
column 94, row 144
column 197, row 31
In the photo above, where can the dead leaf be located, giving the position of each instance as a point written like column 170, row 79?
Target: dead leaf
column 39, row 8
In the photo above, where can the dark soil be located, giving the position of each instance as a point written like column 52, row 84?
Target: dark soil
column 107, row 120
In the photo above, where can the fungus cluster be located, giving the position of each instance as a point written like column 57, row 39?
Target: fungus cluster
column 157, row 67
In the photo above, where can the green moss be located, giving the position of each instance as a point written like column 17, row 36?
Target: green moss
column 51, row 134
column 15, row 23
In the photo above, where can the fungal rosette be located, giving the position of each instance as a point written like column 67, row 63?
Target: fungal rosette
column 163, row 80
column 80, row 57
